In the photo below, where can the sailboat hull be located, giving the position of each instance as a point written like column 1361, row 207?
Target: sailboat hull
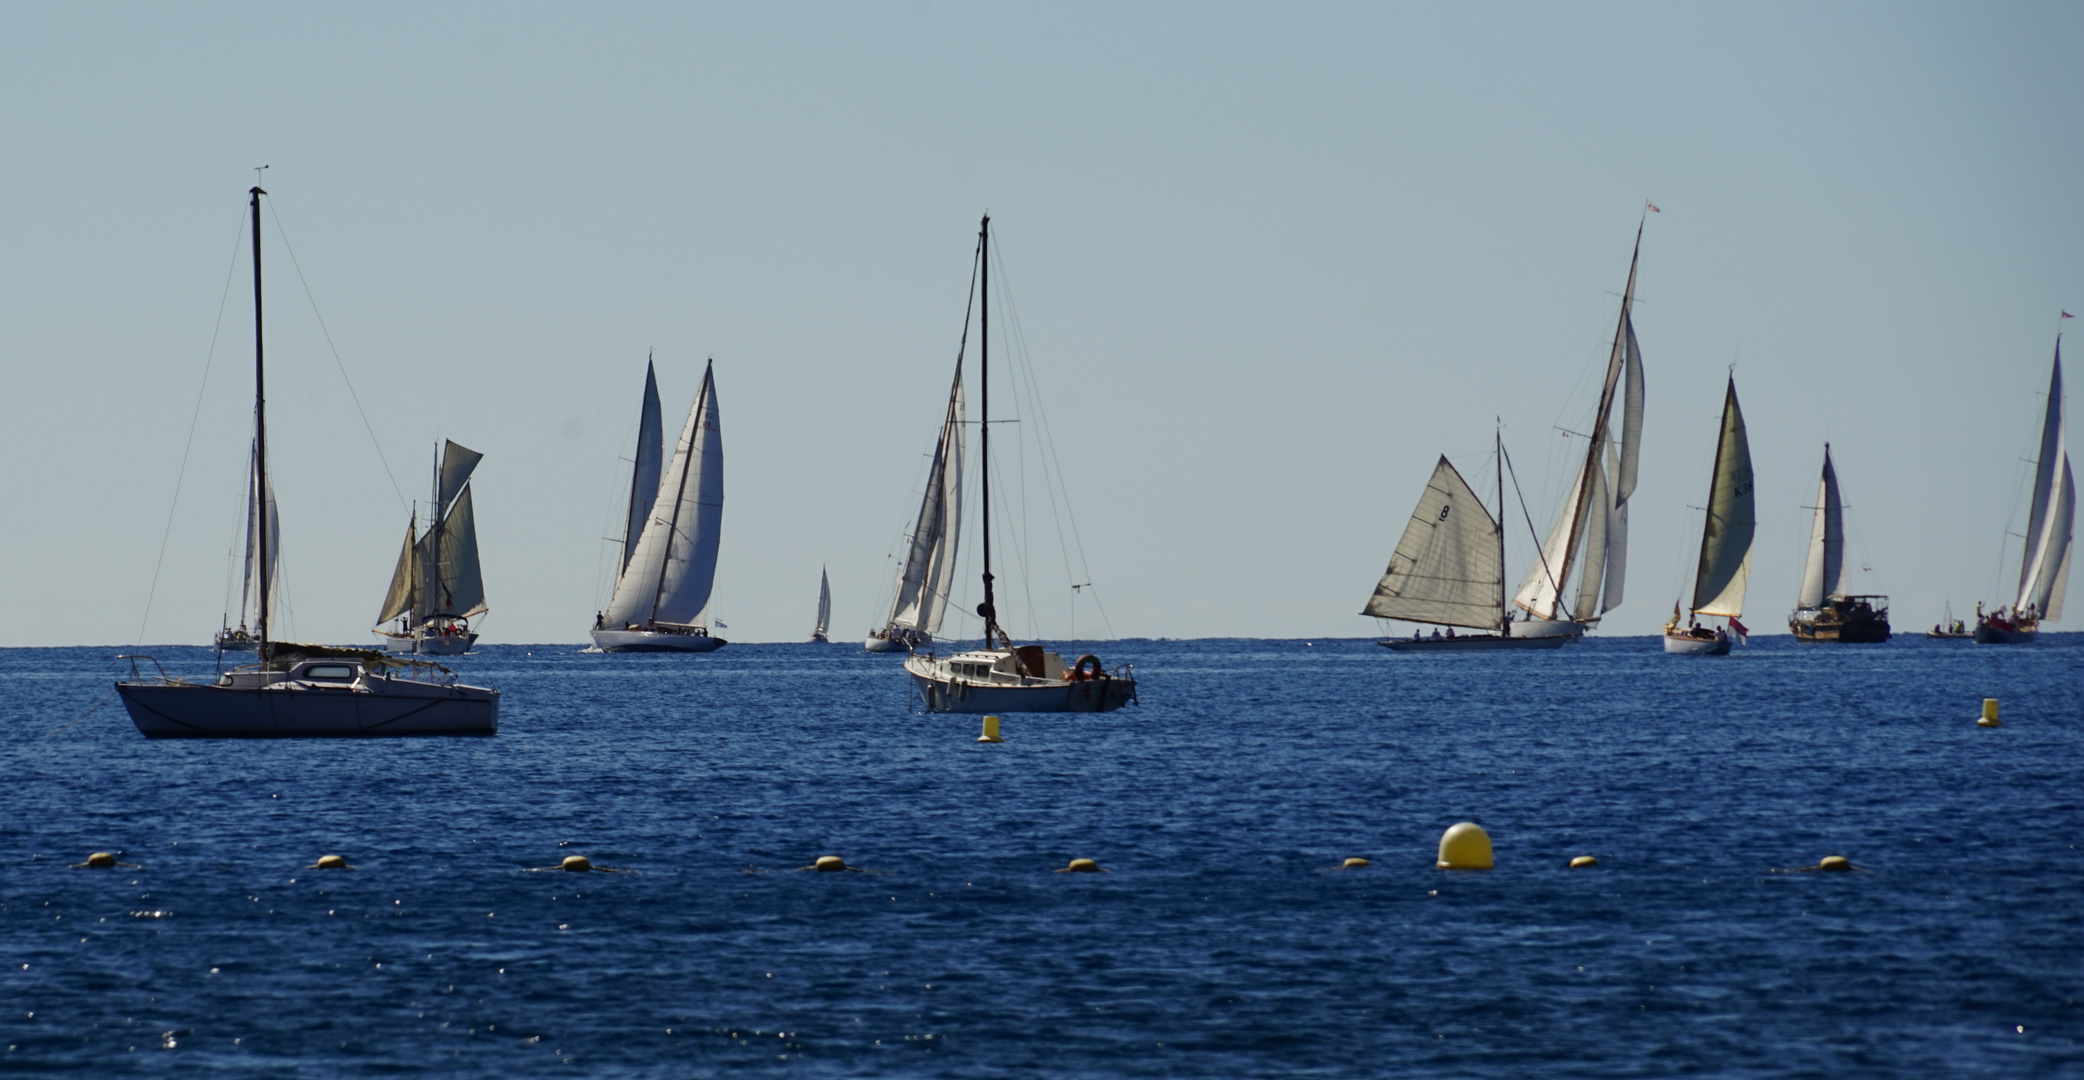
column 948, row 691
column 655, row 641
column 429, row 644
column 889, row 641
column 1689, row 645
column 1474, row 643
column 193, row 711
column 1547, row 628
column 1991, row 635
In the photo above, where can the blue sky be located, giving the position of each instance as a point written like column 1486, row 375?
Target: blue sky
column 1269, row 263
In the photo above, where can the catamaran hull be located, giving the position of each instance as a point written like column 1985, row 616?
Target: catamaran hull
column 1547, row 628
column 1089, row 696
column 430, row 645
column 653, row 641
column 1472, row 643
column 1990, row 635
column 1685, row 645
column 196, row 711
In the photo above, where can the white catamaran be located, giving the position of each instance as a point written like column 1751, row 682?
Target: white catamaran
column 817, row 633
column 1725, row 544
column 304, row 690
column 1587, row 547
column 260, row 509
column 2044, row 563
column 1449, row 570
column 437, row 586
column 1000, row 677
column 671, row 536
column 929, row 570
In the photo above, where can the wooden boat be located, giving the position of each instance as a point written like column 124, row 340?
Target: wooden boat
column 1825, row 610
column 2044, row 563
column 1724, row 569
column 437, row 586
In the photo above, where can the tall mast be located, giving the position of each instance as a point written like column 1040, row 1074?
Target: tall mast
column 988, row 609
column 260, row 427
column 1504, row 598
column 438, row 600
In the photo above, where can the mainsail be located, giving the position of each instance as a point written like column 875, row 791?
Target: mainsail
column 438, row 575
column 1823, row 576
column 929, row 570
column 1590, row 536
column 650, row 457
column 669, row 577
column 1448, row 568
column 1725, row 546
column 2044, row 568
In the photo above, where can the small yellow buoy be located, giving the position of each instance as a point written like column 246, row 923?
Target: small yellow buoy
column 1989, row 718
column 577, row 864
column 1465, row 846
column 1583, row 861
column 829, row 863
column 101, row 860
column 329, row 862
column 1834, row 862
column 991, row 730
column 1082, row 866
column 1355, row 863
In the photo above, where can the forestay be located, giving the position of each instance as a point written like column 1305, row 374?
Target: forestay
column 669, row 578
column 1725, row 548
column 1823, row 576
column 1447, row 568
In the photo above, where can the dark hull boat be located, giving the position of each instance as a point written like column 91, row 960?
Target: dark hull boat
column 1826, row 611
column 1852, row 620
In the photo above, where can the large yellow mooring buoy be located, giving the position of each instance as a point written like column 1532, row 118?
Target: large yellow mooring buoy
column 576, row 864
column 830, row 864
column 1083, row 866
column 1355, row 863
column 329, row 862
column 991, row 730
column 1583, row 862
column 100, row 860
column 1465, row 846
column 1989, row 717
column 1834, row 862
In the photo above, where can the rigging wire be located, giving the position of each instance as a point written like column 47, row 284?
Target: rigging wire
column 181, row 474
column 337, row 363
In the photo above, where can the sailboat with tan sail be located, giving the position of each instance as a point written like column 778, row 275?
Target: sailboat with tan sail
column 437, row 586
column 1724, row 568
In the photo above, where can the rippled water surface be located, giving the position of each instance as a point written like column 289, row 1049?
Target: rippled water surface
column 1219, row 945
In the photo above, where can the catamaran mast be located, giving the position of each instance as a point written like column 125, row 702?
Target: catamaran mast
column 260, row 427
column 987, row 609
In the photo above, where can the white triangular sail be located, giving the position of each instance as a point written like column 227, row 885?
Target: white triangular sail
column 824, row 604
column 1447, row 567
column 1725, row 547
column 650, row 459
column 1823, row 575
column 929, row 570
column 2044, row 568
column 260, row 516
column 670, row 577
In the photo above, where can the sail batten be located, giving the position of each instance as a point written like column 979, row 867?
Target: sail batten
column 1725, row 550
column 1447, row 567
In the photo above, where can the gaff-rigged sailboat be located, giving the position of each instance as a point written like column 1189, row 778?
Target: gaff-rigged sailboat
column 661, row 596
column 1725, row 544
column 2044, row 564
column 437, row 587
column 260, row 514
column 1826, row 611
column 1587, row 547
column 929, row 570
column 824, row 608
column 1449, row 570
column 1000, row 677
column 302, row 689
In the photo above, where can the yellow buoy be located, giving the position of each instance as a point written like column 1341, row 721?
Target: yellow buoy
column 1989, row 718
column 1355, row 863
column 577, row 864
column 991, row 730
column 829, row 863
column 1583, row 861
column 1834, row 862
column 101, row 860
column 329, row 862
column 1083, row 866
column 1465, row 846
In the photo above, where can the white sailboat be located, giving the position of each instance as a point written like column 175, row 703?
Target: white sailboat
column 661, row 596
column 1826, row 610
column 260, row 514
column 929, row 569
column 2044, row 563
column 1000, row 677
column 817, row 633
column 1587, row 547
column 1449, row 570
column 301, row 690
column 1725, row 546
column 438, row 586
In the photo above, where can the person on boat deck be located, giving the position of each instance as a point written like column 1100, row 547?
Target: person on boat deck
column 1450, row 631
column 1436, row 633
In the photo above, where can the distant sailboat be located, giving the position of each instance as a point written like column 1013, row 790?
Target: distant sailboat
column 824, row 608
column 1449, row 570
column 301, row 690
column 437, row 586
column 929, row 570
column 2044, row 570
column 260, row 514
column 1725, row 546
column 1825, row 611
column 1950, row 628
column 670, row 545
column 1588, row 545
column 1000, row 677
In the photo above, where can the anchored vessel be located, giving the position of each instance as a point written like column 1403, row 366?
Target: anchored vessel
column 1004, row 678
column 670, row 539
column 1725, row 544
column 2044, row 564
column 824, row 608
column 437, row 586
column 301, row 689
column 929, row 570
column 1587, row 547
column 1449, row 570
column 1825, row 611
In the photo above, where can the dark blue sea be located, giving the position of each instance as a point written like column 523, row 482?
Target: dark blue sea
column 1218, row 945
